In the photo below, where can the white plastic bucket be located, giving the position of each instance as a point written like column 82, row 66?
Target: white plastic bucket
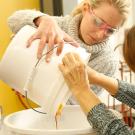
column 72, row 122
column 47, row 87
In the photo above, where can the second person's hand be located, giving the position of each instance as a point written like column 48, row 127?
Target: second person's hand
column 75, row 73
column 49, row 34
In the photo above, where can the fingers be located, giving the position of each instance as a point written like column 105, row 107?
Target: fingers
column 51, row 36
column 74, row 62
column 78, row 64
column 67, row 38
column 41, row 47
column 83, row 72
column 69, row 60
column 66, row 61
column 60, row 41
column 67, row 73
column 60, row 47
column 73, row 71
column 31, row 39
column 50, row 47
column 72, row 59
column 78, row 58
column 61, row 67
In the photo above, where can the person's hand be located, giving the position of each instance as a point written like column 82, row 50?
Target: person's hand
column 74, row 72
column 50, row 33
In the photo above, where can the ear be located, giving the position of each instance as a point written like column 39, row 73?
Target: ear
column 85, row 8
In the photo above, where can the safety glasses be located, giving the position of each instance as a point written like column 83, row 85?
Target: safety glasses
column 99, row 23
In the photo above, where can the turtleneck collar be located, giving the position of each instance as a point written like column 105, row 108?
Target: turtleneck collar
column 74, row 33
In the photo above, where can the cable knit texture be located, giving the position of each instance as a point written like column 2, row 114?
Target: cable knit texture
column 103, row 59
column 106, row 123
column 126, row 93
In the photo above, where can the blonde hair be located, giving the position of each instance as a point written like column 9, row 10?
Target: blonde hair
column 122, row 6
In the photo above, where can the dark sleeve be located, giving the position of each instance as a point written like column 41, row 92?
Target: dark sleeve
column 126, row 93
column 106, row 123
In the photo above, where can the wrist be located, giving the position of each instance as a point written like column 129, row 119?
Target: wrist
column 45, row 18
column 94, row 76
column 87, row 100
column 77, row 91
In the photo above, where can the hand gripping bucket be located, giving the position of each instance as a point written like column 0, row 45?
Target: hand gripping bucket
column 44, row 84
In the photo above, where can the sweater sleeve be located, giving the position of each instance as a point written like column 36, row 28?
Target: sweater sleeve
column 126, row 93
column 106, row 123
column 21, row 18
column 26, row 17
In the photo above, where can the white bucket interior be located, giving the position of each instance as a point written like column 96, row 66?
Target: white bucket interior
column 47, row 87
column 72, row 122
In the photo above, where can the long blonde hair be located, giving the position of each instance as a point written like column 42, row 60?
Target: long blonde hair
column 122, row 6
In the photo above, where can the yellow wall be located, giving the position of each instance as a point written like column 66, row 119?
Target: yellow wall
column 8, row 99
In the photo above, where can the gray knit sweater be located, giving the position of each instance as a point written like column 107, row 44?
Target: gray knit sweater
column 103, row 58
column 104, row 120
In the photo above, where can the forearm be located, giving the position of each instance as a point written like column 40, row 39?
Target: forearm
column 103, row 120
column 108, row 83
column 121, row 90
column 87, row 99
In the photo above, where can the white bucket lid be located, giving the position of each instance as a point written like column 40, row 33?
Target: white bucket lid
column 47, row 87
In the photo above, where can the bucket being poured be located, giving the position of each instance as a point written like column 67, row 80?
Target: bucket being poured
column 44, row 82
